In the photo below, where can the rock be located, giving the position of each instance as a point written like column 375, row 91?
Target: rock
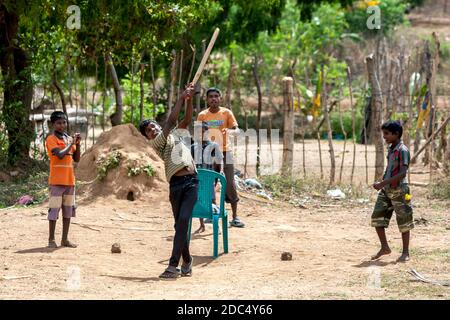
column 116, row 248
column 286, row 256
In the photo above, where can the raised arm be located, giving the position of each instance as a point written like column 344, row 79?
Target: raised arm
column 188, row 116
column 172, row 120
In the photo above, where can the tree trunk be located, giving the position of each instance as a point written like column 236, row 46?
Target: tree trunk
column 155, row 100
column 447, row 156
column 179, row 88
column 132, row 88
column 141, row 103
column 288, row 125
column 327, row 120
column 442, row 144
column 116, row 117
column 93, row 100
column 345, row 139
column 230, row 82
column 377, row 106
column 349, row 76
column 258, row 122
column 17, row 88
column 104, row 97
column 173, row 79
column 60, row 92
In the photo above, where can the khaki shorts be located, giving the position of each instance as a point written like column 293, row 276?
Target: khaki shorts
column 391, row 200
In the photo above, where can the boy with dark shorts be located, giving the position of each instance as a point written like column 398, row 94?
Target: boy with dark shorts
column 62, row 151
column 394, row 192
column 181, row 174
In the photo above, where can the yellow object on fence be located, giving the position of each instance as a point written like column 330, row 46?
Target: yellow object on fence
column 423, row 114
column 316, row 106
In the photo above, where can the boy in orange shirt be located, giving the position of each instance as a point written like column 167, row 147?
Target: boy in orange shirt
column 62, row 151
column 222, row 124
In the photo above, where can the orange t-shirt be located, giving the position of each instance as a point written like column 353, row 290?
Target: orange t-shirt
column 222, row 119
column 61, row 170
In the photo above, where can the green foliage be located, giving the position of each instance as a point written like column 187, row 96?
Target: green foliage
column 441, row 189
column 347, row 121
column 286, row 187
column 445, row 51
column 132, row 97
column 147, row 169
column 35, row 185
column 108, row 162
column 392, row 14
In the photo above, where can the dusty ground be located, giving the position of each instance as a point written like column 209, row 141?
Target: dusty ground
column 331, row 243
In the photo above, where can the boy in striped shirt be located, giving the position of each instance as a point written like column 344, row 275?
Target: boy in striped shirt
column 182, row 176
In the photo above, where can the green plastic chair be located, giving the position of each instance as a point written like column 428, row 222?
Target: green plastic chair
column 203, row 208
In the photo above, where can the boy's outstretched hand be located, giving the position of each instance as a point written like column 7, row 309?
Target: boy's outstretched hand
column 188, row 92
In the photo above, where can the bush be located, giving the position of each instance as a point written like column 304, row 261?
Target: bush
column 285, row 187
column 35, row 185
column 392, row 14
column 127, row 101
column 106, row 163
column 445, row 51
column 347, row 121
column 441, row 189
column 135, row 171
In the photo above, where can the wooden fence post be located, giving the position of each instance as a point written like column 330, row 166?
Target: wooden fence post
column 288, row 125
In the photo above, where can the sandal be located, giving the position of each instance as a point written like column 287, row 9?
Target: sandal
column 186, row 269
column 237, row 223
column 170, row 274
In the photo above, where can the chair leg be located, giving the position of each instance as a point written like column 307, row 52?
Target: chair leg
column 216, row 235
column 189, row 230
column 225, row 234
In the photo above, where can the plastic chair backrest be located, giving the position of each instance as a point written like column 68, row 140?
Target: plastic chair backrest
column 203, row 206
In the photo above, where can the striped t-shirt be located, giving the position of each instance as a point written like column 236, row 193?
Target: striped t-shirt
column 175, row 154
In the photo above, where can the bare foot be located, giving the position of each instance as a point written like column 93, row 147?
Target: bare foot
column 403, row 258
column 200, row 229
column 68, row 244
column 52, row 244
column 382, row 252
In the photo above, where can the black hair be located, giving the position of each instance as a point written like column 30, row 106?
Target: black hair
column 57, row 115
column 144, row 125
column 213, row 89
column 393, row 127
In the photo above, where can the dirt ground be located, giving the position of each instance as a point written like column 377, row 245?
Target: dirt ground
column 331, row 243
